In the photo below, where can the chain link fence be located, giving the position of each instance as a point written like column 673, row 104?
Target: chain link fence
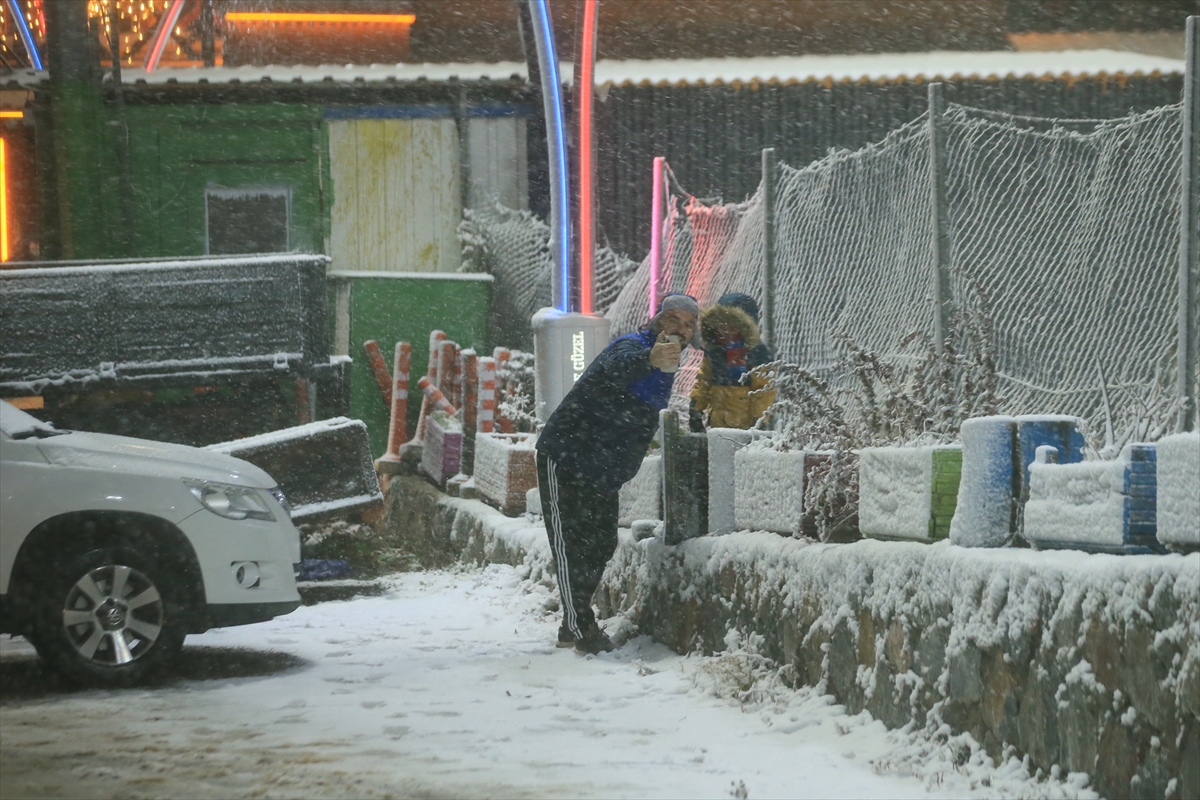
column 1065, row 231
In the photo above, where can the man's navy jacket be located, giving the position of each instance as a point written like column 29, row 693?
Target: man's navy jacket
column 600, row 431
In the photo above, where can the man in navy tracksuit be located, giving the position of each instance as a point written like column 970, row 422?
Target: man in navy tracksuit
column 594, row 442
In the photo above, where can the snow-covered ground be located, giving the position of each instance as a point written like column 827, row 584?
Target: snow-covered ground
column 449, row 685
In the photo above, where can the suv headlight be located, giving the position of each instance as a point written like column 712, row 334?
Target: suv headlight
column 229, row 501
column 281, row 498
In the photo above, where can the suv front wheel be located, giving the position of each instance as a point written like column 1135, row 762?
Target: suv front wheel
column 109, row 618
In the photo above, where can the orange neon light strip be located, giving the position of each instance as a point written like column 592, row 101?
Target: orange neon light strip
column 587, row 238
column 9, row 114
column 3, row 204
column 280, row 16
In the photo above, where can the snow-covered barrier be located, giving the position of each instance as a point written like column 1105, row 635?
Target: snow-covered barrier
column 768, row 489
column 996, row 455
column 1101, row 506
column 442, row 448
column 505, row 469
column 723, row 444
column 908, row 492
column 323, row 468
column 1085, row 662
column 1179, row 491
column 641, row 496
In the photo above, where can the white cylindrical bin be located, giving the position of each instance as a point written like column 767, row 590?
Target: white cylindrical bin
column 989, row 491
column 564, row 345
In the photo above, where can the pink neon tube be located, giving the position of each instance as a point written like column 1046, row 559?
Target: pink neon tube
column 587, row 77
column 163, row 34
column 656, row 213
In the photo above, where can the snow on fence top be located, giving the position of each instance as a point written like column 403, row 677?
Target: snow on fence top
column 783, row 69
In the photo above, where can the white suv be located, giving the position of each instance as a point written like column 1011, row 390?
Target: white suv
column 113, row 549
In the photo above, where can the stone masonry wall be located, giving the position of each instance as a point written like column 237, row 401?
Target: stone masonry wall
column 1090, row 663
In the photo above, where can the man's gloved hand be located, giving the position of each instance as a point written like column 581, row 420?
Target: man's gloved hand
column 665, row 353
column 695, row 421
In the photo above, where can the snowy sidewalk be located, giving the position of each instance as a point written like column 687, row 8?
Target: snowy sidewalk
column 450, row 685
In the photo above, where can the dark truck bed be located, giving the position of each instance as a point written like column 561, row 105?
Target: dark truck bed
column 191, row 350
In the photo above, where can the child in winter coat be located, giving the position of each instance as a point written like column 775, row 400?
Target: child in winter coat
column 726, row 388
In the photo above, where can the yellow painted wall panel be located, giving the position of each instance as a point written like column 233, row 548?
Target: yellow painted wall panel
column 398, row 200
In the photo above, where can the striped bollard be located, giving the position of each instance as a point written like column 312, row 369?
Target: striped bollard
column 398, row 431
column 456, row 383
column 379, row 367
column 435, row 339
column 445, row 374
column 487, row 395
column 435, row 396
column 502, row 355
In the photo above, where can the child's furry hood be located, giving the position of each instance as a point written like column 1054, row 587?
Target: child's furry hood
column 714, row 317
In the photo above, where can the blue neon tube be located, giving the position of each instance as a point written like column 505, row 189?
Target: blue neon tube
column 26, row 35
column 556, row 141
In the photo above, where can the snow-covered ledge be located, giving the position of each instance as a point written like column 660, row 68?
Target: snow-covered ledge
column 1088, row 663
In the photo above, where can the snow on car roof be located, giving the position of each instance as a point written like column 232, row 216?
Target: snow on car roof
column 947, row 64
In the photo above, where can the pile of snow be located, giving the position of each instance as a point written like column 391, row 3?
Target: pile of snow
column 723, row 443
column 1179, row 490
column 641, row 496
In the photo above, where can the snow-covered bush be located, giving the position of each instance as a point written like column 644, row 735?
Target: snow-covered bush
column 515, row 391
column 870, row 401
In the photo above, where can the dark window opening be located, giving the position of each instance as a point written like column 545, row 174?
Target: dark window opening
column 247, row 220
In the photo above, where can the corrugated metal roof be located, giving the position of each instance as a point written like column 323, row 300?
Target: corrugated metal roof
column 784, row 69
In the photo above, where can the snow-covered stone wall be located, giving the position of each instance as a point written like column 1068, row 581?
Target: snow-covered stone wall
column 1087, row 663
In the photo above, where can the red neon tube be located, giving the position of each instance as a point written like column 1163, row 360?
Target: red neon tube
column 162, row 35
column 656, row 226
column 587, row 79
column 3, row 204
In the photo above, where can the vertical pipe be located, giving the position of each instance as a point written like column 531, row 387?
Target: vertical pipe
column 768, row 184
column 585, row 78
column 35, row 58
column 3, row 204
column 941, row 216
column 556, row 143
column 208, row 42
column 1189, row 239
column 487, row 394
column 162, row 35
column 656, row 227
column 398, row 429
column 470, row 401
